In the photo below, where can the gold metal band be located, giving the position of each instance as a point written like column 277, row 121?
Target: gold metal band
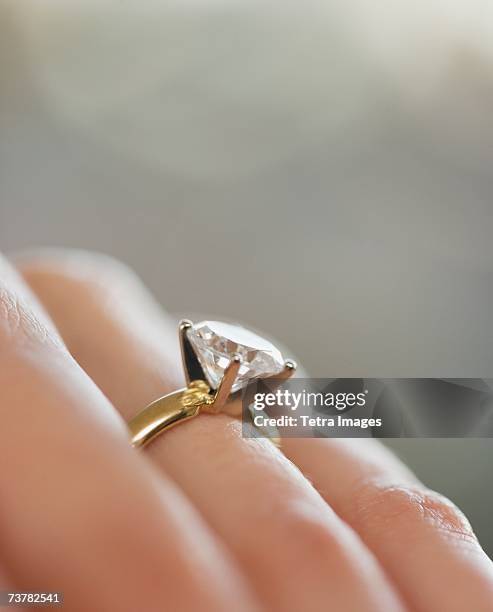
column 168, row 411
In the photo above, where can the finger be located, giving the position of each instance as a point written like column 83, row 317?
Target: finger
column 424, row 542
column 80, row 511
column 296, row 551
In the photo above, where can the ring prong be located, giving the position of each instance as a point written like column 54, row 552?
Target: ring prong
column 191, row 366
column 184, row 325
column 227, row 382
column 289, row 369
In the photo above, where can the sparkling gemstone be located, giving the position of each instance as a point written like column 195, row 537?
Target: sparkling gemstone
column 215, row 343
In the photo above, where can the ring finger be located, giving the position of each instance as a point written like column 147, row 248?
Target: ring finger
column 256, row 500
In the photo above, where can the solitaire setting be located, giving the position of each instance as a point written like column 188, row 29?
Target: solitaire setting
column 219, row 359
column 215, row 344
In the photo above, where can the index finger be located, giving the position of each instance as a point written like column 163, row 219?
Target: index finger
column 80, row 511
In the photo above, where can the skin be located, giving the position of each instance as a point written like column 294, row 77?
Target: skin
column 202, row 519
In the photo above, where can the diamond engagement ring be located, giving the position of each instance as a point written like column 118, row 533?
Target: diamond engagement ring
column 219, row 359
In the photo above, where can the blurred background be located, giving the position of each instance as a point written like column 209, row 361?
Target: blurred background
column 320, row 169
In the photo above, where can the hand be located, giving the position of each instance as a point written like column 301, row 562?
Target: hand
column 202, row 519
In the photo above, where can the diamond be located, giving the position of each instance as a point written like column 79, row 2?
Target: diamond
column 215, row 343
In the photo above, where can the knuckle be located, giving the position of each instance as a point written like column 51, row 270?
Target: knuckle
column 306, row 535
column 19, row 323
column 404, row 506
column 10, row 311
